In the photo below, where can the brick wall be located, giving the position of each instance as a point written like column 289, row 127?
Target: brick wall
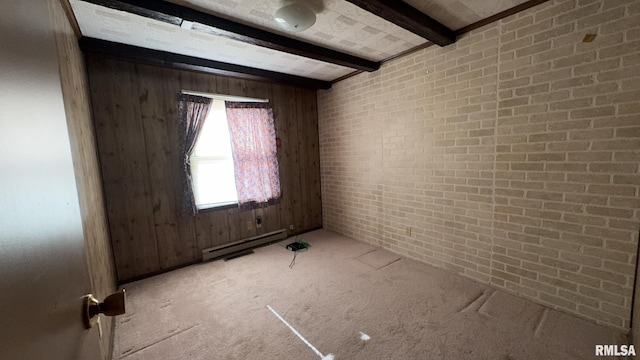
column 510, row 156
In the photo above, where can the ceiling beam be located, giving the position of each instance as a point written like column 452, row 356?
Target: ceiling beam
column 176, row 61
column 409, row 18
column 501, row 15
column 175, row 14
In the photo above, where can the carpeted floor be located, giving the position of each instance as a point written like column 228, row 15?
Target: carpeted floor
column 348, row 300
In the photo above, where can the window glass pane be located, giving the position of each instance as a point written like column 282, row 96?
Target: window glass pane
column 212, row 162
column 214, row 139
column 213, row 181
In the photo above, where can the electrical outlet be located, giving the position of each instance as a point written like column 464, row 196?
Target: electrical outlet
column 249, row 225
column 291, row 227
column 409, row 231
column 258, row 222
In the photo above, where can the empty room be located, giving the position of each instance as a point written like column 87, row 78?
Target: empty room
column 332, row 179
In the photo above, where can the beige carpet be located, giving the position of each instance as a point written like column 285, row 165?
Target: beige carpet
column 348, row 300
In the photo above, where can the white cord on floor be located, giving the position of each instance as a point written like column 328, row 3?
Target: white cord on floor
column 328, row 357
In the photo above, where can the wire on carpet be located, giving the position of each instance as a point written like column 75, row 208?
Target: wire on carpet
column 293, row 262
column 297, row 245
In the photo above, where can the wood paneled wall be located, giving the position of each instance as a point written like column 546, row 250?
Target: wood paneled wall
column 135, row 109
column 77, row 105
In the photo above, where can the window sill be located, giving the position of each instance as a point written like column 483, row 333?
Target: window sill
column 218, row 207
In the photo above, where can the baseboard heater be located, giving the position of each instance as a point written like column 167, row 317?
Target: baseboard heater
column 226, row 249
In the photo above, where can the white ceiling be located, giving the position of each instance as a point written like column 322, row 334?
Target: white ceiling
column 121, row 27
column 340, row 26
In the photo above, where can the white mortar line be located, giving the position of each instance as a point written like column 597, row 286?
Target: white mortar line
column 328, row 357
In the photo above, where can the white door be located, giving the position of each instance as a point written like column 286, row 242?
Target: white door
column 43, row 270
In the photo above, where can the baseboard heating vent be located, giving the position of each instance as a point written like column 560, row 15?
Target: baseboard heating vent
column 222, row 250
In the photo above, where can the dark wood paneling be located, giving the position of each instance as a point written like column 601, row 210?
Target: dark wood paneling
column 219, row 228
column 301, row 110
column 313, row 164
column 127, row 191
column 135, row 110
column 287, row 131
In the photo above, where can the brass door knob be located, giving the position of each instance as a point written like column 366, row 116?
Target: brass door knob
column 113, row 305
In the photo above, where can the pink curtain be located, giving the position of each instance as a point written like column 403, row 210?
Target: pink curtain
column 253, row 143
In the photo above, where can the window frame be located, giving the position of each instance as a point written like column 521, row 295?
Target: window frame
column 224, row 98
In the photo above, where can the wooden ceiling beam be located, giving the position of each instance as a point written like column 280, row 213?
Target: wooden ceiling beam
column 175, row 14
column 501, row 15
column 176, row 61
column 409, row 18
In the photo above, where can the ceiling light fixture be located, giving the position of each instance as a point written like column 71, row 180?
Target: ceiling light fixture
column 295, row 17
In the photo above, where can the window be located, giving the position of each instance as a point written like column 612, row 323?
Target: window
column 229, row 149
column 212, row 161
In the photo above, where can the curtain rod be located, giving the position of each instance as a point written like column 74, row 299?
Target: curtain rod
column 223, row 97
